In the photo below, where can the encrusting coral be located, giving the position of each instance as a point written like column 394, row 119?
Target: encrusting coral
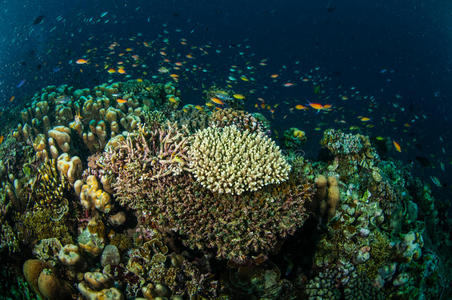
column 227, row 160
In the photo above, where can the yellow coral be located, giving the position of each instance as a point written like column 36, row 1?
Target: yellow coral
column 232, row 161
column 69, row 167
column 92, row 195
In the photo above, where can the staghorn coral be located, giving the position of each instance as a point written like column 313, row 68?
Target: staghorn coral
column 143, row 159
column 232, row 161
column 238, row 227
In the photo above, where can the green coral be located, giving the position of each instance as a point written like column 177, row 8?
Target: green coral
column 380, row 253
column 38, row 224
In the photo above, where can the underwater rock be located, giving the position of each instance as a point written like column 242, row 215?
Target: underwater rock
column 110, row 256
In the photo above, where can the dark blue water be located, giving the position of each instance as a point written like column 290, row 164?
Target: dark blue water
column 390, row 58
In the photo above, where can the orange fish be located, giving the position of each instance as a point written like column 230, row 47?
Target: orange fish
column 189, row 56
column 121, row 71
column 300, row 107
column 327, row 106
column 288, row 84
column 216, row 100
column 274, row 75
column 119, row 100
column 111, row 71
column 175, row 76
column 81, row 61
column 12, row 98
column 1, row 139
column 162, row 52
column 397, row 146
column 317, row 106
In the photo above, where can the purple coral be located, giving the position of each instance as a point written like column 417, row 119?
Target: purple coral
column 143, row 159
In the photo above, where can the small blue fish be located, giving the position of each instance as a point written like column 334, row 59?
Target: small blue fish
column 21, row 83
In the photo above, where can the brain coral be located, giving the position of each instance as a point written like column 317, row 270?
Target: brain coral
column 227, row 160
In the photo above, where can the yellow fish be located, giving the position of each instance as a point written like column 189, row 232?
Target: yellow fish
column 172, row 99
column 397, row 146
column 238, row 96
column 216, row 100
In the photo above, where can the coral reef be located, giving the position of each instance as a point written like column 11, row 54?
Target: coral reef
column 112, row 192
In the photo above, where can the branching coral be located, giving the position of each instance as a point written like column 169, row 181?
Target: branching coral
column 143, row 159
column 232, row 161
column 238, row 227
column 239, row 118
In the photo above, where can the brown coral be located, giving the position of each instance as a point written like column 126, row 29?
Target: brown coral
column 239, row 227
column 241, row 119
